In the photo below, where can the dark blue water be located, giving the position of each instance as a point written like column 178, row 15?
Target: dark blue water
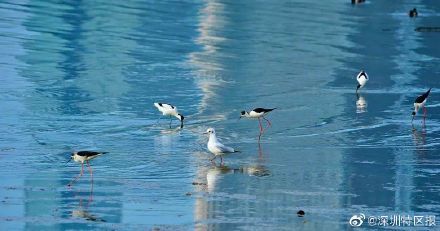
column 80, row 75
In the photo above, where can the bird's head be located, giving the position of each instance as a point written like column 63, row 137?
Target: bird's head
column 242, row 114
column 180, row 117
column 210, row 131
column 71, row 157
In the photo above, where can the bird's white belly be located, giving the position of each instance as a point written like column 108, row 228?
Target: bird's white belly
column 417, row 106
column 167, row 112
column 362, row 81
column 253, row 114
column 79, row 159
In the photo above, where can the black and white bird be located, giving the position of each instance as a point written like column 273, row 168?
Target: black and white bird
column 169, row 110
column 413, row 13
column 215, row 147
column 81, row 157
column 420, row 103
column 258, row 113
column 362, row 79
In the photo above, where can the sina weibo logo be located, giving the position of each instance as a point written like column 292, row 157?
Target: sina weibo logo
column 357, row 220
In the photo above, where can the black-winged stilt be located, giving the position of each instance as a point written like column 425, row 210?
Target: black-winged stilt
column 420, row 103
column 81, row 157
column 258, row 113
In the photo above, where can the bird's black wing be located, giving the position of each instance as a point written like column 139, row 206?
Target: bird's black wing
column 166, row 105
column 422, row 98
column 89, row 153
column 260, row 110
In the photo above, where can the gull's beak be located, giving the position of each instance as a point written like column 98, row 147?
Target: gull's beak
column 205, row 133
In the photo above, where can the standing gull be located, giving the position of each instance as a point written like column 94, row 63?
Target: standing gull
column 217, row 148
column 420, row 103
column 81, row 157
column 258, row 113
column 362, row 79
column 169, row 110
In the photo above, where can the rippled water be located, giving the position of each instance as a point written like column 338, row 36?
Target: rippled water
column 84, row 75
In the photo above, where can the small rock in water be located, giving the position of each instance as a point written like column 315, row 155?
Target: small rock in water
column 300, row 213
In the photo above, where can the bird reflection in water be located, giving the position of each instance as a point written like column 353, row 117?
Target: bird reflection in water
column 171, row 130
column 218, row 171
column 419, row 137
column 82, row 210
column 361, row 104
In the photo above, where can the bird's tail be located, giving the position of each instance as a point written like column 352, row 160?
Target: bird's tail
column 429, row 90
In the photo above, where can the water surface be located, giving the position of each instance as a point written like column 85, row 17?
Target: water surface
column 84, row 76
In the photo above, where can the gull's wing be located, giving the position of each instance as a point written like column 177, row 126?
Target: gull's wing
column 223, row 148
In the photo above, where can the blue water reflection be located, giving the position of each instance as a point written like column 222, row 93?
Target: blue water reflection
column 84, row 75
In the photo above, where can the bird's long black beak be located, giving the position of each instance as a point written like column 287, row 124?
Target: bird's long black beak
column 181, row 124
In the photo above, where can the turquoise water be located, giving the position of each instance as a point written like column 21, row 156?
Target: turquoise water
column 84, row 76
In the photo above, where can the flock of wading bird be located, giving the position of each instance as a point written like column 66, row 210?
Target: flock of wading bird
column 214, row 145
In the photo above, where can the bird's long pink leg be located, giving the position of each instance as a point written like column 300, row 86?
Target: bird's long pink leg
column 77, row 177
column 424, row 115
column 91, row 187
column 212, row 160
column 90, row 170
column 268, row 122
column 261, row 129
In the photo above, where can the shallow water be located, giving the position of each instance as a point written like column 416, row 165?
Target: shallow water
column 83, row 76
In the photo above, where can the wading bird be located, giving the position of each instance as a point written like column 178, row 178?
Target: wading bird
column 362, row 79
column 81, row 157
column 258, row 113
column 169, row 110
column 420, row 103
column 215, row 147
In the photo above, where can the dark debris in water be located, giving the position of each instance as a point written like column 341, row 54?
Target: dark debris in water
column 300, row 213
column 188, row 194
column 427, row 29
column 198, row 183
column 5, row 149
